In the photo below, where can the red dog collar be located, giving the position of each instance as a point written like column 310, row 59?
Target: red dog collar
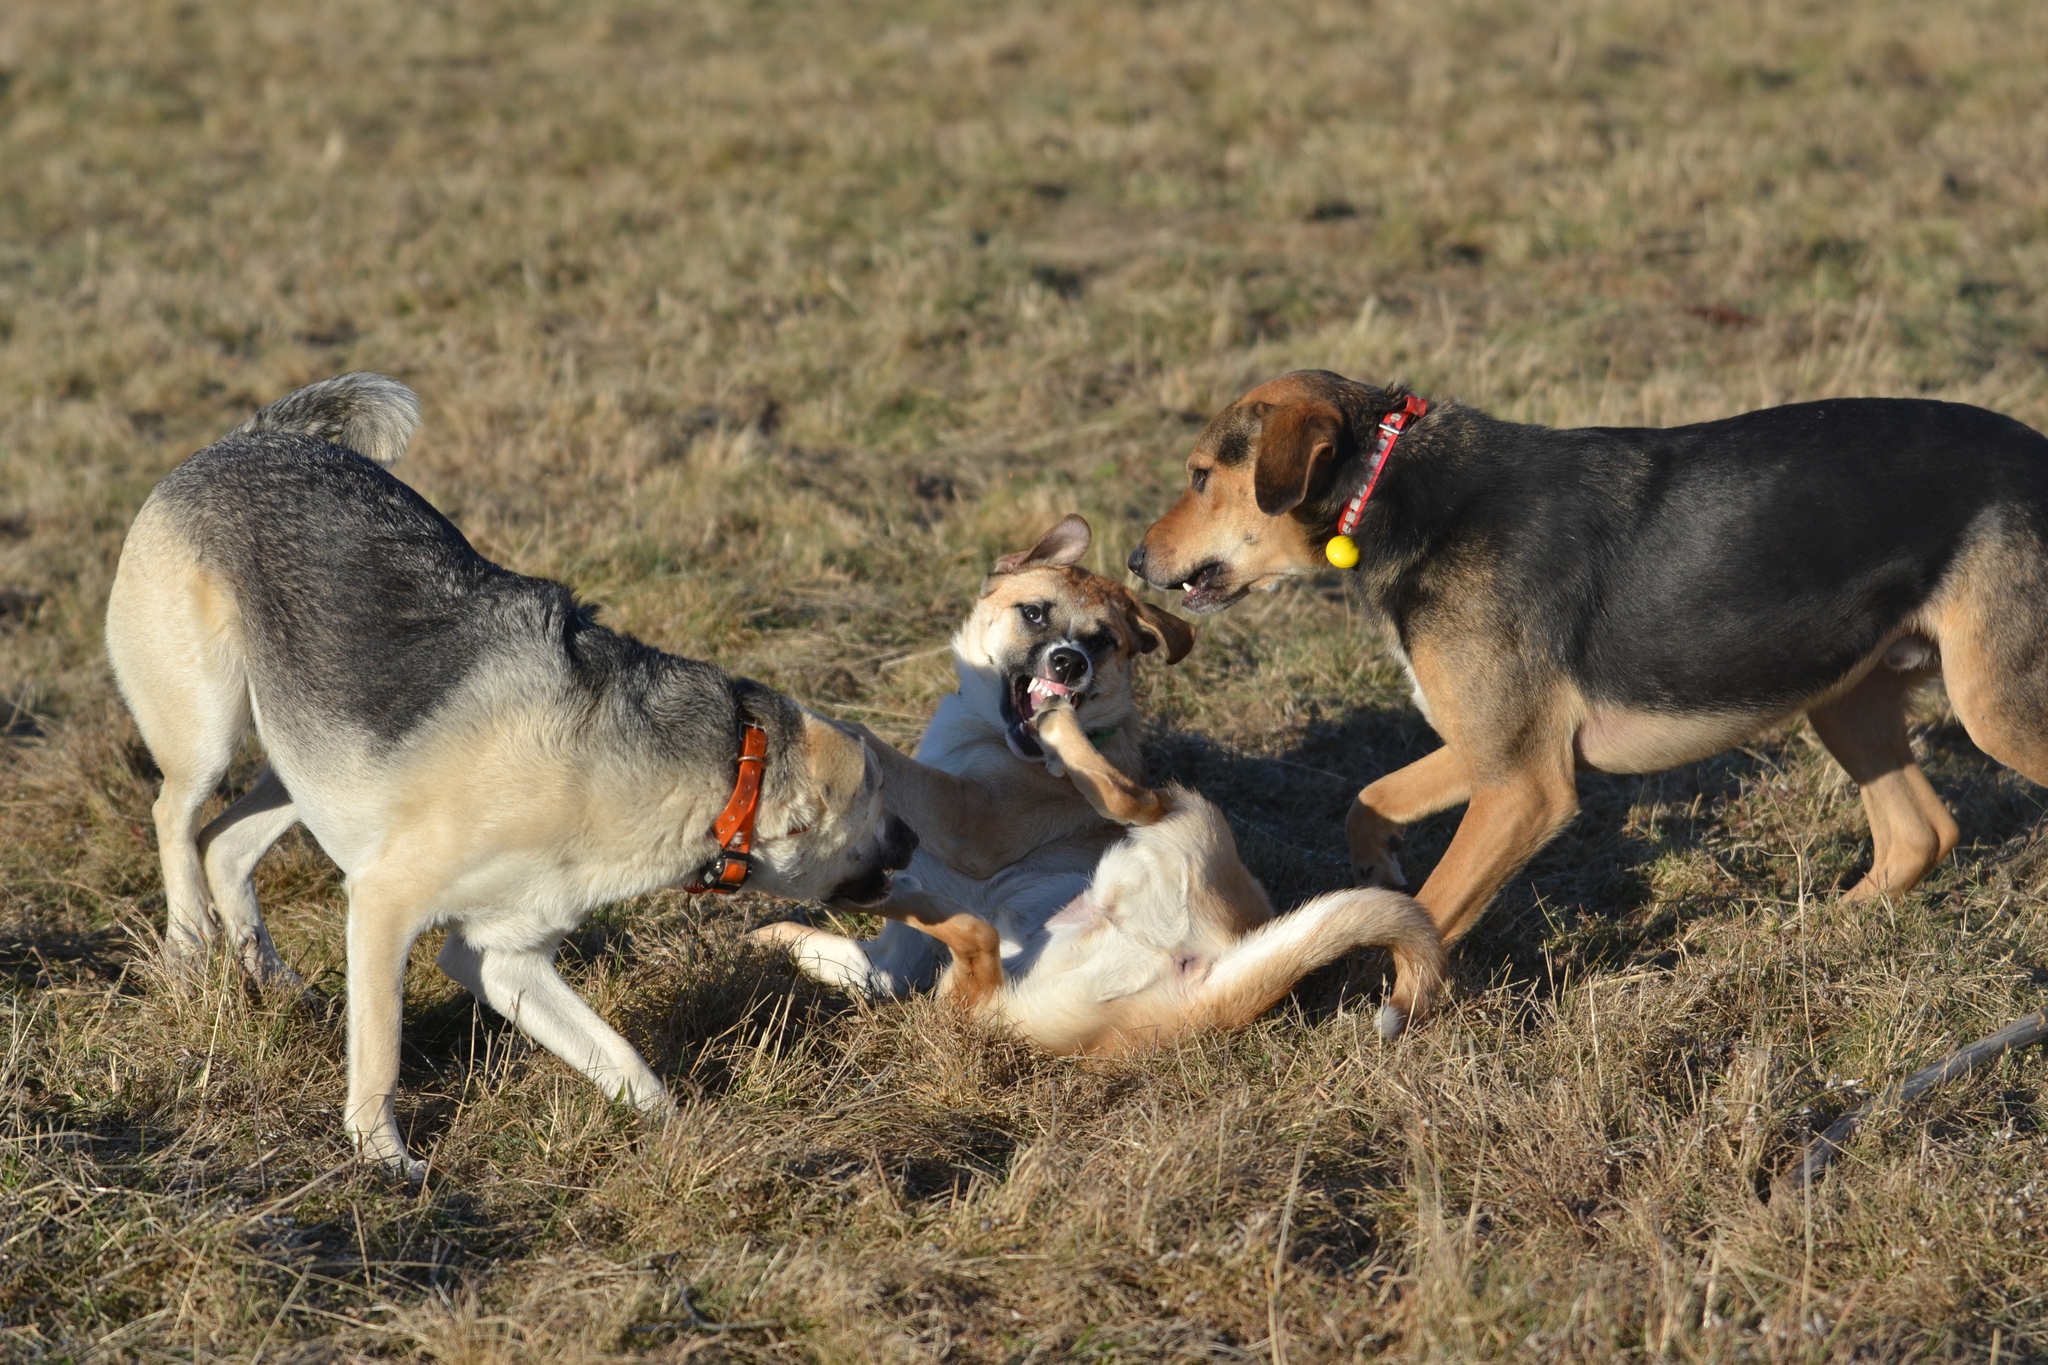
column 1342, row 550
column 735, row 828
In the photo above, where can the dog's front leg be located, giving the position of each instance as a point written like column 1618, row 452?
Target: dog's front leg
column 958, row 821
column 1435, row 782
column 381, row 930
column 1107, row 787
column 525, row 988
column 1508, row 821
column 900, row 961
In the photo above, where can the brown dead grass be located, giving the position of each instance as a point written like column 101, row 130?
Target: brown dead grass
column 767, row 326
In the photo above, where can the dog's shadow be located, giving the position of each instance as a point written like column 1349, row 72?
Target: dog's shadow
column 1604, row 894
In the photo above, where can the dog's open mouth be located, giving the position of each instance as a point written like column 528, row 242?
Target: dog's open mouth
column 1028, row 692
column 1205, row 591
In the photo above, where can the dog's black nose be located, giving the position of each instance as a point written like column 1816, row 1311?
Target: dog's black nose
column 1068, row 664
column 1136, row 562
column 899, row 841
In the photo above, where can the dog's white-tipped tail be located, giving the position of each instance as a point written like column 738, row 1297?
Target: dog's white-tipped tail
column 1265, row 964
column 1392, row 1023
column 371, row 414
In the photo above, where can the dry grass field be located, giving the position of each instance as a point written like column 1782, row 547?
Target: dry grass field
column 767, row 325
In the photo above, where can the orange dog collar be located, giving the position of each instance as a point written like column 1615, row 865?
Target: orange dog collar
column 734, row 829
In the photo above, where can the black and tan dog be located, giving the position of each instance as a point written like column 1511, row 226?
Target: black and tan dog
column 1628, row 599
column 472, row 750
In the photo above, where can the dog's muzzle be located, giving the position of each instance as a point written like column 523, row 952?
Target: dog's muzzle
column 870, row 886
column 1065, row 670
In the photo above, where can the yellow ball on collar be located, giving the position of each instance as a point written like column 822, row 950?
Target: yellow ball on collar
column 1342, row 551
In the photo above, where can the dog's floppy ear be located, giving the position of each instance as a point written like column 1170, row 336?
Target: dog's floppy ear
column 1156, row 628
column 1297, row 441
column 835, row 760
column 1057, row 548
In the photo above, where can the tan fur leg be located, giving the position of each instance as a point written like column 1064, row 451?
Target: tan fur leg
column 381, row 930
column 958, row 821
column 1435, row 782
column 1991, row 663
column 525, row 988
column 1107, row 787
column 231, row 846
column 175, row 649
column 1506, row 823
column 977, row 972
column 1910, row 830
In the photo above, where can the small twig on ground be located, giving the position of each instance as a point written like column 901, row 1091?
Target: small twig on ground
column 1825, row 1148
column 697, row 1322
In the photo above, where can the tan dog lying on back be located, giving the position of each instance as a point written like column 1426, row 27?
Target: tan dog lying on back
column 1053, row 892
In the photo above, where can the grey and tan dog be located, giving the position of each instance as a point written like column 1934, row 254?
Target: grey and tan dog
column 470, row 748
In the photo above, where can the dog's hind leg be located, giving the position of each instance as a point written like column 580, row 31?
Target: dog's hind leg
column 977, row 949
column 231, row 846
column 176, row 654
column 1994, row 655
column 1910, row 830
column 523, row 986
column 1265, row 964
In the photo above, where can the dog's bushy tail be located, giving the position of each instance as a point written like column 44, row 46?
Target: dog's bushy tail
column 368, row 413
column 1265, row 964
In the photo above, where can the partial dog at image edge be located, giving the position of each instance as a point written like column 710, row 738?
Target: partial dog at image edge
column 467, row 745
column 1053, row 893
column 1625, row 600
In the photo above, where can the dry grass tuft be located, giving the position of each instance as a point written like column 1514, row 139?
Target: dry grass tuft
column 767, row 326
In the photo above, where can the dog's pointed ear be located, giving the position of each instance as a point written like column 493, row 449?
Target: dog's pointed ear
column 1297, row 443
column 1156, row 628
column 1057, row 548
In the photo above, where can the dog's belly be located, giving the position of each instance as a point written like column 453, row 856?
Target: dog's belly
column 1617, row 740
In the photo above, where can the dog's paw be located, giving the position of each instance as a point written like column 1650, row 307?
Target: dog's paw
column 781, row 934
column 1374, row 862
column 1383, row 871
column 1050, row 704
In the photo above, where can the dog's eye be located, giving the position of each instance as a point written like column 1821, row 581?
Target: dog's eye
column 1198, row 478
column 1034, row 613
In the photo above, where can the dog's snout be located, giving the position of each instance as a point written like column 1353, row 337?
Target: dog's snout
column 899, row 841
column 870, row 885
column 1069, row 665
column 1136, row 563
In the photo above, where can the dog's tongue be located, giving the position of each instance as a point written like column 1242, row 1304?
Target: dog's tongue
column 1041, row 687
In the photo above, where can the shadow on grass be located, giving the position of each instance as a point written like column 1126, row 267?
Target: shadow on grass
column 33, row 958
column 1589, row 900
